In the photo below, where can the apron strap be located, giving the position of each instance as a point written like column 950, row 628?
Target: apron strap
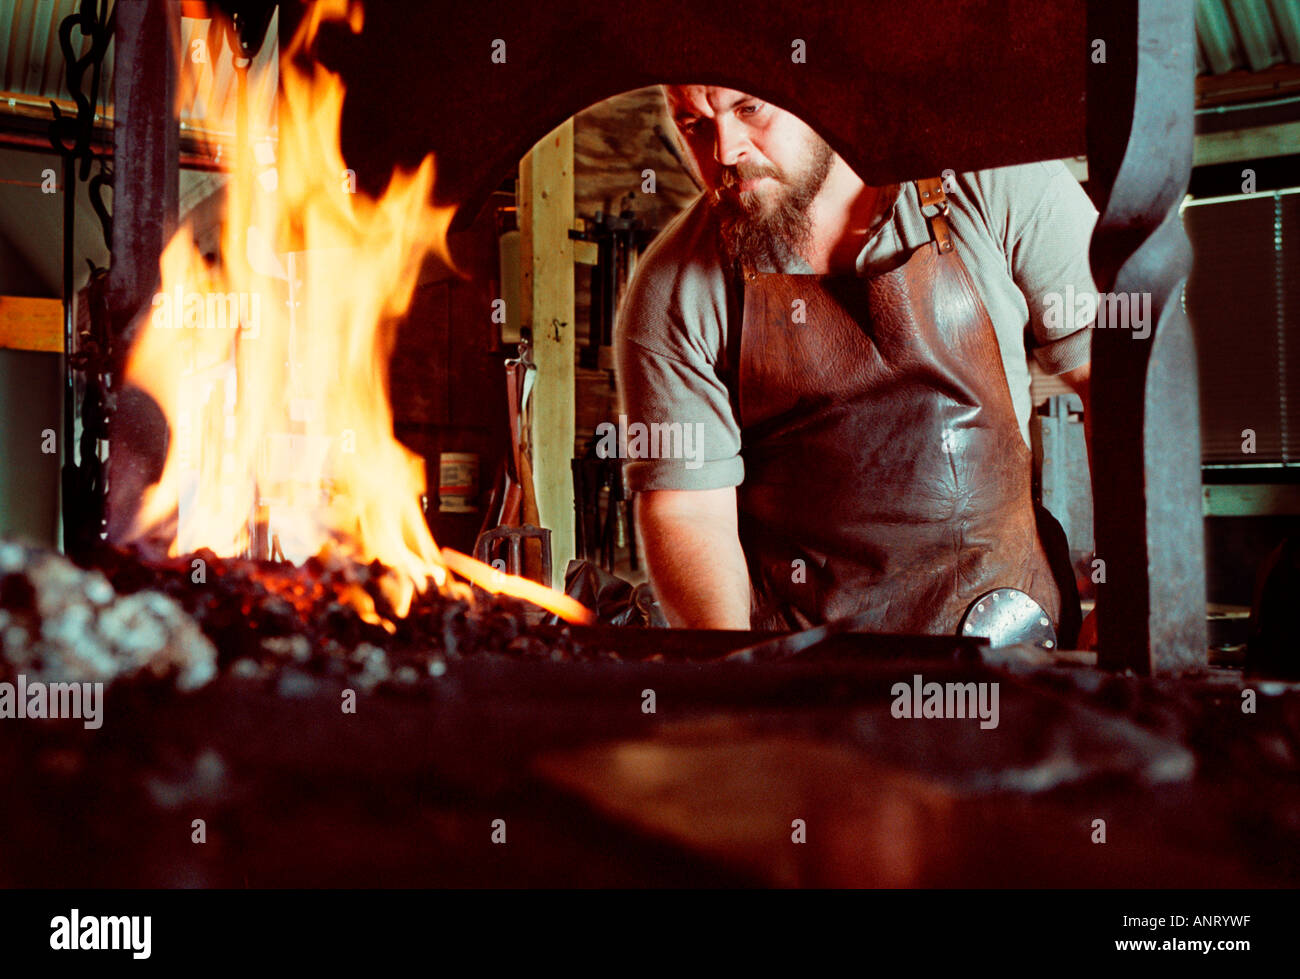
column 934, row 205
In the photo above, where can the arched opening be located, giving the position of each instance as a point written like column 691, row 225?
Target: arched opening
column 627, row 180
column 555, row 243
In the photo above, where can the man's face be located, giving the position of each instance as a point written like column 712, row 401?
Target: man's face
column 764, row 165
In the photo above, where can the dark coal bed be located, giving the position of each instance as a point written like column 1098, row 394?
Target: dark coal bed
column 264, row 615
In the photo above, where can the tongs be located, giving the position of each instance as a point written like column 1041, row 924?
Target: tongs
column 797, row 643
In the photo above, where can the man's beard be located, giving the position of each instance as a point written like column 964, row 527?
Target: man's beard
column 759, row 234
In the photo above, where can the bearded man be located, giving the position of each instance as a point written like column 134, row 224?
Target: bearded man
column 857, row 357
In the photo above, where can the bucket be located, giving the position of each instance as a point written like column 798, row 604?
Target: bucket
column 457, row 482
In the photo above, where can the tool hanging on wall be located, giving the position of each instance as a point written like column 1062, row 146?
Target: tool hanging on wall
column 618, row 241
column 87, row 336
column 511, row 515
column 602, row 531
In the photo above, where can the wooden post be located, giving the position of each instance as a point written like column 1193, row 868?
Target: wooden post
column 546, row 259
column 31, row 324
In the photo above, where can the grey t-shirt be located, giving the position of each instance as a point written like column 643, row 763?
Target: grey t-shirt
column 1022, row 231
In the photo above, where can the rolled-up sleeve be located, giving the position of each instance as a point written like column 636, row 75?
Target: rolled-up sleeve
column 1049, row 262
column 667, row 348
column 658, row 390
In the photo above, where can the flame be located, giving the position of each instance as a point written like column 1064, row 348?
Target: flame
column 490, row 579
column 270, row 362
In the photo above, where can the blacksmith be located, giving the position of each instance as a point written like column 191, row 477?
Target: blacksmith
column 857, row 357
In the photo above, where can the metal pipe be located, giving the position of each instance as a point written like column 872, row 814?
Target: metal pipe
column 103, row 149
column 69, row 454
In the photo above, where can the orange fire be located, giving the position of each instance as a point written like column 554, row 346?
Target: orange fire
column 271, row 361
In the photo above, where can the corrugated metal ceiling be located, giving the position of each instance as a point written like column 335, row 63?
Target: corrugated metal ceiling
column 1250, row 35
column 30, row 60
column 1232, row 35
column 32, row 64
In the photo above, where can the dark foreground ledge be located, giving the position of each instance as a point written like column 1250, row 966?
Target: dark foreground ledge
column 710, row 789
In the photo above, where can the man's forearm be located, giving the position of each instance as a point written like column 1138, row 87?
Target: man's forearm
column 692, row 550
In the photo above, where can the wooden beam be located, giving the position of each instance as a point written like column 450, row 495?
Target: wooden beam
column 546, row 261
column 1247, row 86
column 1257, row 143
column 31, row 324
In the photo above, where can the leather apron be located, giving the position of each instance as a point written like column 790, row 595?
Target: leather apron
column 885, row 472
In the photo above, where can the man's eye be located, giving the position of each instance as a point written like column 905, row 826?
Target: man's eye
column 690, row 126
column 748, row 109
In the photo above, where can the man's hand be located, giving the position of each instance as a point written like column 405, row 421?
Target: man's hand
column 1080, row 380
column 692, row 550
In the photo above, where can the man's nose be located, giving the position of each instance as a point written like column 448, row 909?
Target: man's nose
column 731, row 145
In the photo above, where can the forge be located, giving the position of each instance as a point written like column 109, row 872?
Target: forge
column 306, row 685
